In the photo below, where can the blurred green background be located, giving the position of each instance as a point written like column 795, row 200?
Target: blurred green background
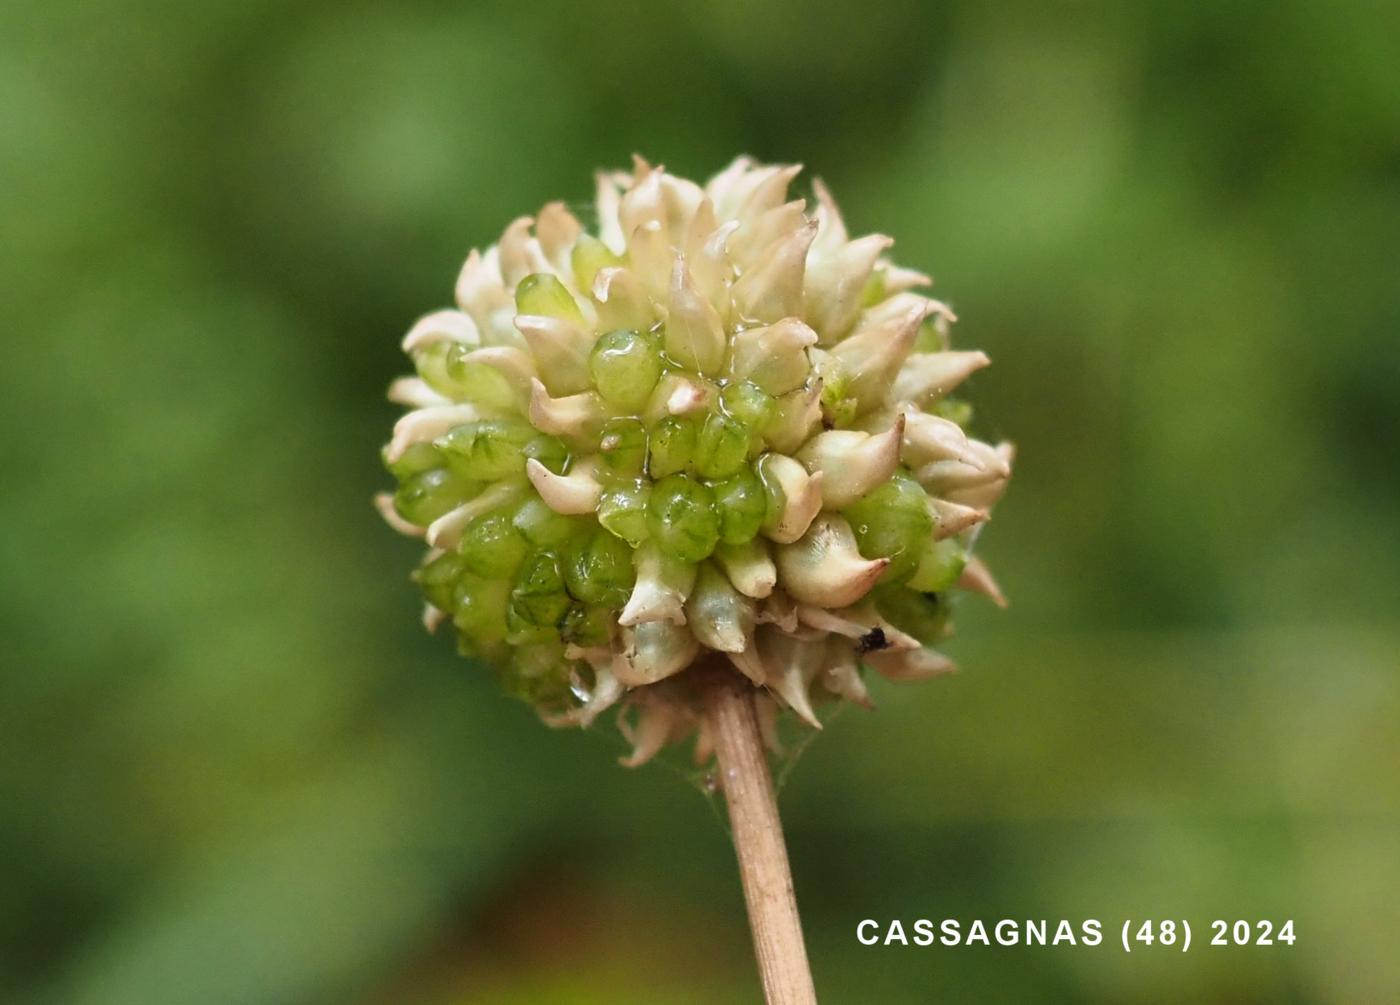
column 234, row 770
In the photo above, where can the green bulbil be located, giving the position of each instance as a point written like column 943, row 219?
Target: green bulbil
column 474, row 382
column 538, row 596
column 774, row 498
column 543, row 662
column 874, row 290
column 625, row 366
column 431, row 363
column 721, row 447
column 438, row 578
column 493, row 654
column 837, row 404
column 488, row 449
column 520, row 630
column 589, row 257
column 622, row 509
column 424, row 497
column 623, row 446
column 543, row 527
column 598, row 569
column 538, row 672
column 749, row 405
column 922, row 615
column 682, row 518
column 478, row 609
column 492, row 547
column 672, row 446
column 929, row 339
column 940, row 565
column 542, row 294
column 892, row 521
column 587, row 626
column 549, row 451
column 418, row 457
column 742, row 504
column 954, row 410
column 751, row 408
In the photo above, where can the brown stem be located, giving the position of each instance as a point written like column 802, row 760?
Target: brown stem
column 758, row 840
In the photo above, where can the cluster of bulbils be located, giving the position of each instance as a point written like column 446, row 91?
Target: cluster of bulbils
column 718, row 428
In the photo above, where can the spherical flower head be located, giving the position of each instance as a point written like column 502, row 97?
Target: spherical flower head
column 716, row 429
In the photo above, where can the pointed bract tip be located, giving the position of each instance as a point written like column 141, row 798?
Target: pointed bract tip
column 384, row 503
column 977, row 578
column 441, row 326
column 954, row 518
column 853, row 463
column 802, row 498
column 825, row 568
column 901, row 665
column 573, row 494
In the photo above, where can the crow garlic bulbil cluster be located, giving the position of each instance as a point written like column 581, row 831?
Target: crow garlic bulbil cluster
column 717, row 428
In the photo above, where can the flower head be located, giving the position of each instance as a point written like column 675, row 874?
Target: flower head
column 715, row 428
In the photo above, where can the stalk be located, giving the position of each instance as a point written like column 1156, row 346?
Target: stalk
column 758, row 840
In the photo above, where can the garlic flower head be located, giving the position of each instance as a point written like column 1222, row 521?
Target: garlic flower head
column 715, row 428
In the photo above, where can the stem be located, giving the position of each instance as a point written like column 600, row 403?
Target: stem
column 758, row 840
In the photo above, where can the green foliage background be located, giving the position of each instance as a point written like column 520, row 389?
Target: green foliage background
column 232, row 768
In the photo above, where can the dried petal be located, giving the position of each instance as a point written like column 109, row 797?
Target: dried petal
column 749, row 567
column 441, row 326
column 414, row 392
column 662, row 586
column 928, row 376
column 694, row 333
column 578, row 416
column 520, row 252
column 772, row 288
column 557, row 230
column 909, row 664
column 801, row 498
column 825, row 568
column 654, row 650
column 384, row 503
column 852, row 463
column 977, row 578
column 561, row 351
column 835, row 284
column 930, row 438
column 953, row 518
column 773, row 356
column 446, row 530
column 871, row 357
column 573, row 494
column 797, row 417
column 427, row 424
column 721, row 617
column 621, row 302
